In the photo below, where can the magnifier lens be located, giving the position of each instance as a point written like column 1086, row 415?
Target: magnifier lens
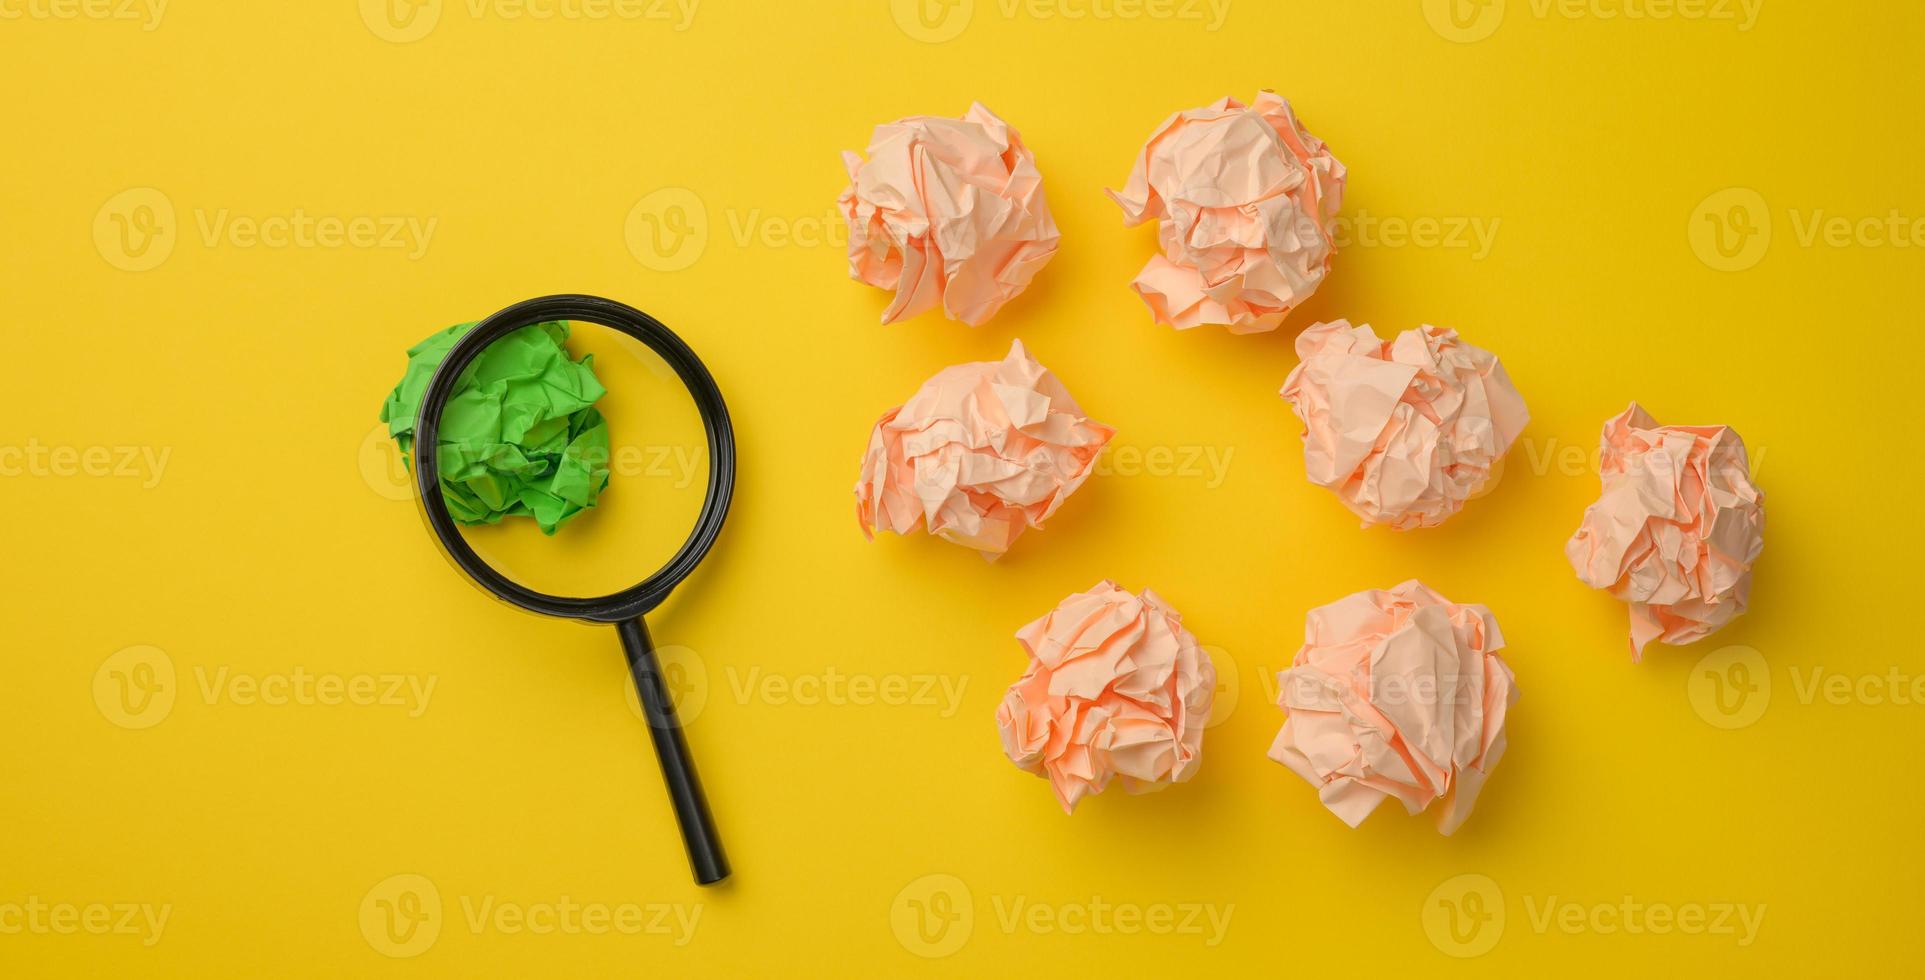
column 625, row 457
column 603, row 421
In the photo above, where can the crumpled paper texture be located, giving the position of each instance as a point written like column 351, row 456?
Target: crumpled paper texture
column 983, row 451
column 520, row 436
column 1116, row 688
column 1676, row 529
column 947, row 212
column 1403, row 432
column 1246, row 197
column 1400, row 694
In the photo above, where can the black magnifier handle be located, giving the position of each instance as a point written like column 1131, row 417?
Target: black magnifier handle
column 704, row 845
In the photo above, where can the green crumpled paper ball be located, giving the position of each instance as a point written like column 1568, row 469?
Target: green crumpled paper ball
column 520, row 436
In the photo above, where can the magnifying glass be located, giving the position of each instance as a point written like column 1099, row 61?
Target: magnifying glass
column 568, row 575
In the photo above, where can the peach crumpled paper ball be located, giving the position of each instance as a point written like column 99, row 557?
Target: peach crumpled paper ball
column 1396, row 694
column 947, row 211
column 1404, row 432
column 982, row 452
column 1246, row 198
column 1676, row 529
column 1116, row 687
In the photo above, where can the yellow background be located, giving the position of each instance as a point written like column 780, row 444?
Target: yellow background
column 272, row 541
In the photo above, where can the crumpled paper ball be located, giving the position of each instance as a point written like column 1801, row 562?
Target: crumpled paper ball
column 1116, row 687
column 1396, row 694
column 1676, row 529
column 1246, row 198
column 519, row 437
column 947, row 211
column 1404, row 432
column 982, row 452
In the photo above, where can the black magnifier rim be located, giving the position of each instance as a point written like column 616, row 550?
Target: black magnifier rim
column 649, row 593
